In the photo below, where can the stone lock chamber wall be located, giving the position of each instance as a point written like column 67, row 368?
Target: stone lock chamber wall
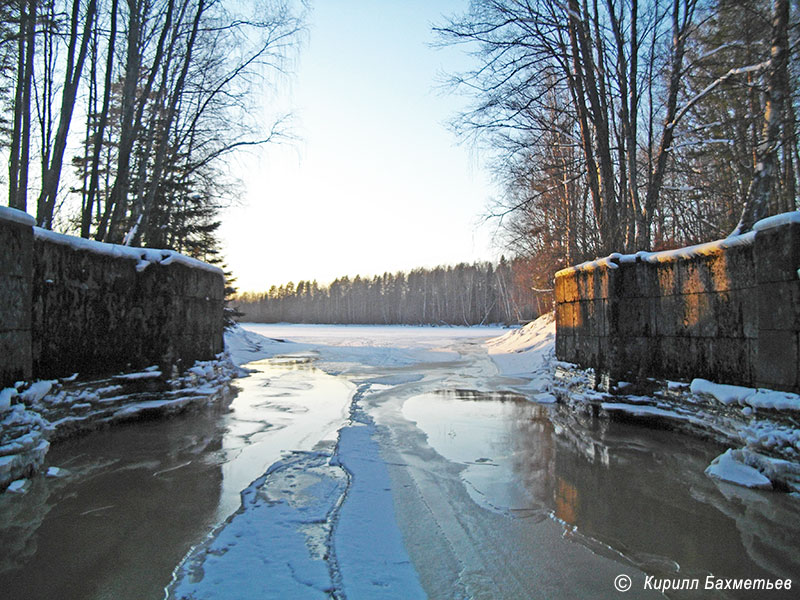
column 728, row 311
column 73, row 305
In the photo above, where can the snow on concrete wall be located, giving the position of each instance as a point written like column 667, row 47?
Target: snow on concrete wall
column 96, row 308
column 727, row 311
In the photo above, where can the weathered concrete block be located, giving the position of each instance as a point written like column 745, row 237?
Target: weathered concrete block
column 16, row 241
column 16, row 251
column 725, row 312
column 748, row 299
column 779, row 305
column 636, row 317
column 588, row 349
column 741, row 266
column 587, row 317
column 669, row 315
column 565, row 317
column 728, row 316
column 777, row 253
column 603, row 278
column 776, row 362
column 15, row 301
column 566, row 287
column 667, row 281
column 16, row 363
column 96, row 313
column 695, row 314
column 561, row 346
column 730, row 360
column 635, row 280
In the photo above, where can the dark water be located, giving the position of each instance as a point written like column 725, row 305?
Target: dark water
column 139, row 496
column 632, row 493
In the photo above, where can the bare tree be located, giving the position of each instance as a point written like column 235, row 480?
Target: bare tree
column 72, row 75
column 763, row 184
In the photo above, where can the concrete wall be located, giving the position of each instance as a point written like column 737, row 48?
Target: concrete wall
column 16, row 250
column 95, row 308
column 728, row 311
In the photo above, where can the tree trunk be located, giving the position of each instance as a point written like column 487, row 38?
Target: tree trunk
column 47, row 198
column 767, row 169
column 94, row 177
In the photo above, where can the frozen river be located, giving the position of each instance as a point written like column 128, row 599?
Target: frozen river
column 387, row 462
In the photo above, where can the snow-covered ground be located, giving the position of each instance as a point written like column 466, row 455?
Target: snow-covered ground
column 34, row 414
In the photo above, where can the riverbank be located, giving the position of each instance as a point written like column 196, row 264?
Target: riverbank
column 760, row 427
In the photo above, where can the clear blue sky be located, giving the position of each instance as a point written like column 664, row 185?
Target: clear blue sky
column 376, row 182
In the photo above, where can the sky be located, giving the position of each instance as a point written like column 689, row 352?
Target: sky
column 375, row 180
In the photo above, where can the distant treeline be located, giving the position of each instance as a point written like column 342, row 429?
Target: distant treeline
column 462, row 295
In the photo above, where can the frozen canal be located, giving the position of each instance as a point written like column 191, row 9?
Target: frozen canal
column 386, row 462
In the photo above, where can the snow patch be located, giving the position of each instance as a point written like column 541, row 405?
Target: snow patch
column 727, row 468
column 529, row 353
column 5, row 398
column 144, row 257
column 777, row 220
column 748, row 397
column 20, row 486
column 149, row 373
column 16, row 216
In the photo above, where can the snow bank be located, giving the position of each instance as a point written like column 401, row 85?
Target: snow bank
column 246, row 346
column 744, row 396
column 529, row 353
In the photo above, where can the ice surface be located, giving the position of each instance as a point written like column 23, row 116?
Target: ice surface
column 263, row 550
column 372, row 560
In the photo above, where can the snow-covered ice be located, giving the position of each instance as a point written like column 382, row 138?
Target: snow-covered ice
column 726, row 468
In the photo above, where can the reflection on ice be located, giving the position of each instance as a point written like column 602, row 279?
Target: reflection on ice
column 285, row 404
column 629, row 490
column 137, row 497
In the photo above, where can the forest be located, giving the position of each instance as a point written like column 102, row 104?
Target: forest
column 611, row 126
column 620, row 125
column 476, row 294
column 118, row 116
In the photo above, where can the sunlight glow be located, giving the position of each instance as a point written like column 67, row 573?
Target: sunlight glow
column 376, row 181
